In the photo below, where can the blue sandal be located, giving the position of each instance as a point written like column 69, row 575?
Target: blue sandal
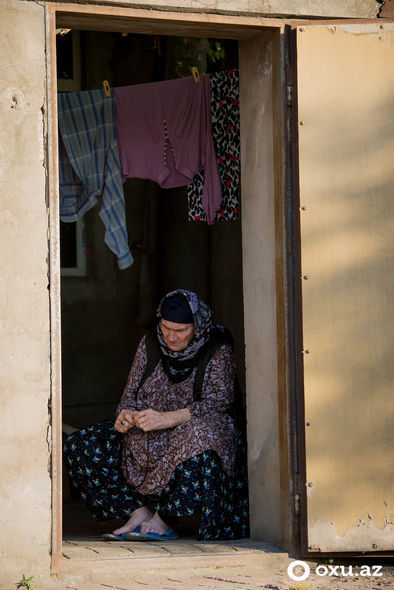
column 137, row 536
column 112, row 537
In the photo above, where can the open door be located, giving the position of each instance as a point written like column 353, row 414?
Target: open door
column 345, row 93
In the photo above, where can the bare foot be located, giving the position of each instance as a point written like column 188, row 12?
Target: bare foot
column 136, row 518
column 155, row 525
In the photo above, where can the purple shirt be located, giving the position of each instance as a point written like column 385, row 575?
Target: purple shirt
column 164, row 134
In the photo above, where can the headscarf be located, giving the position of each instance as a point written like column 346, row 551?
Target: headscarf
column 179, row 364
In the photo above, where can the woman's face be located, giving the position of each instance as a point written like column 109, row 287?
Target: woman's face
column 176, row 336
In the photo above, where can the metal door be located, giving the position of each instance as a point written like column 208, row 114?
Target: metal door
column 345, row 95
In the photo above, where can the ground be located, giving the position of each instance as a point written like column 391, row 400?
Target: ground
column 240, row 578
column 242, row 565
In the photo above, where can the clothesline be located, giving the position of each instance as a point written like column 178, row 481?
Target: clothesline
column 175, row 132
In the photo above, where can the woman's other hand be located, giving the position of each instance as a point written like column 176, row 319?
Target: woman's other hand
column 125, row 421
column 152, row 420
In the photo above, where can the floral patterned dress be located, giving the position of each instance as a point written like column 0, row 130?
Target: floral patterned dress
column 198, row 467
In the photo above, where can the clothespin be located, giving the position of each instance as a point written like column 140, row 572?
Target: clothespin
column 62, row 32
column 195, row 74
column 107, row 88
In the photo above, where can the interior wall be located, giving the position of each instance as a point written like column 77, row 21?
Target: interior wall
column 258, row 228
column 105, row 314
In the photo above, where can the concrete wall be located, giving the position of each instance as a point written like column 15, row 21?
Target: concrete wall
column 307, row 8
column 24, row 314
column 258, row 228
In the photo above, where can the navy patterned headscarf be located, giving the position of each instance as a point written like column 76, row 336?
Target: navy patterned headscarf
column 179, row 364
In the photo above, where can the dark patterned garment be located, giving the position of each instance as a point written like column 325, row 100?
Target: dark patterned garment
column 94, row 460
column 226, row 139
column 198, row 466
column 210, row 426
column 197, row 486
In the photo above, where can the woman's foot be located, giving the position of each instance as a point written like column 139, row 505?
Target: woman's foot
column 136, row 518
column 155, row 525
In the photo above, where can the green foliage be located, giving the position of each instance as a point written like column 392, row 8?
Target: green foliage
column 188, row 52
column 25, row 582
column 299, row 587
column 214, row 50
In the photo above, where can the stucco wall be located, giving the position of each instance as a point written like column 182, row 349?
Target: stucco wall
column 24, row 345
column 258, row 227
column 308, row 8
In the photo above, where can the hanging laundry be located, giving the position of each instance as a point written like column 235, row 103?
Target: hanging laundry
column 89, row 166
column 225, row 133
column 164, row 134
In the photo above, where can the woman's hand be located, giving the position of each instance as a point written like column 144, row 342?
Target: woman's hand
column 124, row 421
column 151, row 420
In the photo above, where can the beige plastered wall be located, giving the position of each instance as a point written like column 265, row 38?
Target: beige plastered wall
column 258, row 229
column 25, row 492
column 299, row 8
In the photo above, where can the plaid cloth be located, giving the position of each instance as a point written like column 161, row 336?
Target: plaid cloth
column 89, row 166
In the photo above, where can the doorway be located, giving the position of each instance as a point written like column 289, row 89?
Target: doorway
column 262, row 256
column 106, row 311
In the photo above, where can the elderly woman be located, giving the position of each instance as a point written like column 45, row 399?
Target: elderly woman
column 182, row 453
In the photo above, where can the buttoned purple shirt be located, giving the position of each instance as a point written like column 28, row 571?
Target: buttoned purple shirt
column 164, row 134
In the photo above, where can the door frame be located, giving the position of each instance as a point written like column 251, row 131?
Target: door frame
column 174, row 23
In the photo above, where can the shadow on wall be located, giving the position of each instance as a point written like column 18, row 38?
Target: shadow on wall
column 347, row 246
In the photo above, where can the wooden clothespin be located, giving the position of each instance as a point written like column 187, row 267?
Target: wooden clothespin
column 195, row 74
column 107, row 88
column 62, row 32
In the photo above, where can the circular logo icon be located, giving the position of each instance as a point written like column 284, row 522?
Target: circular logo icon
column 294, row 575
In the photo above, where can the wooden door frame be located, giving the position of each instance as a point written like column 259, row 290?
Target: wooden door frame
column 110, row 18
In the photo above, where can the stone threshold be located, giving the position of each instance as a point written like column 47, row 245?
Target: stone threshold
column 99, row 556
